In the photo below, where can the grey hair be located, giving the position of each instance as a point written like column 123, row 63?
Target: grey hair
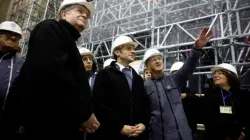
column 68, row 8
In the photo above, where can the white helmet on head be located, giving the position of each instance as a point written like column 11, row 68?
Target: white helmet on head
column 84, row 51
column 11, row 26
column 225, row 66
column 176, row 66
column 85, row 3
column 122, row 40
column 108, row 62
column 149, row 53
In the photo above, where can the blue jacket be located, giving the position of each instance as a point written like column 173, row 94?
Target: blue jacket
column 10, row 66
column 168, row 120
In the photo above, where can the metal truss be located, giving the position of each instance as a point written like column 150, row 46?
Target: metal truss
column 28, row 13
column 168, row 25
column 172, row 26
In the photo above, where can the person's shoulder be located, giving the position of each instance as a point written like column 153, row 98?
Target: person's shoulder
column 148, row 83
column 212, row 92
column 102, row 72
column 20, row 59
column 49, row 22
column 138, row 77
column 149, row 86
column 107, row 69
column 245, row 93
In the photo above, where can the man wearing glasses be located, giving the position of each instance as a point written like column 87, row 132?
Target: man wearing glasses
column 168, row 120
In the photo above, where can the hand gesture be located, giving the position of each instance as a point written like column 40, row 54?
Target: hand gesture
column 91, row 125
column 203, row 38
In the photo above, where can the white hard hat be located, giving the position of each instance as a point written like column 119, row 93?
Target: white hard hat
column 122, row 40
column 84, row 51
column 149, row 53
column 108, row 62
column 225, row 66
column 88, row 5
column 11, row 26
column 176, row 66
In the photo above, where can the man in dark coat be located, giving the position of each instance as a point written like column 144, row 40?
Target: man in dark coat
column 168, row 120
column 10, row 63
column 51, row 96
column 119, row 97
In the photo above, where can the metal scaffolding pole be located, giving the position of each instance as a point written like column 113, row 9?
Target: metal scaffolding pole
column 168, row 26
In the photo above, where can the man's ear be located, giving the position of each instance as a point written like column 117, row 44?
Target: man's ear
column 63, row 15
column 117, row 53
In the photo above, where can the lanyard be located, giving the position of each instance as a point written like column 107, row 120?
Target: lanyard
column 224, row 97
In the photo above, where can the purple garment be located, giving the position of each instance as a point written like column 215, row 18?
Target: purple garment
column 127, row 72
column 168, row 120
column 10, row 66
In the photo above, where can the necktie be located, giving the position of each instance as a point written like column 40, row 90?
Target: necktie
column 128, row 76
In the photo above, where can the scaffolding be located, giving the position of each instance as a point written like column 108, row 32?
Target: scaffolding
column 168, row 25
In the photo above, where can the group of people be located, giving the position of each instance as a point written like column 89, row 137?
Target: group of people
column 57, row 92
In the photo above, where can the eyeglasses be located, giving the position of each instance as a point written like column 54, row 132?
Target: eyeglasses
column 157, row 59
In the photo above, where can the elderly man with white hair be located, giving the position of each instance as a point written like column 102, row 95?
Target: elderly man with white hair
column 52, row 98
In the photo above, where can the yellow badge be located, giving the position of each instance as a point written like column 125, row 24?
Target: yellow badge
column 226, row 110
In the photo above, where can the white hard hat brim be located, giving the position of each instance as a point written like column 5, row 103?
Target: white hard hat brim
column 87, row 53
column 11, row 31
column 220, row 68
column 135, row 44
column 155, row 54
column 216, row 69
column 88, row 5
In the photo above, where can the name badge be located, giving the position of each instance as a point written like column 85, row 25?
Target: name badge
column 226, row 110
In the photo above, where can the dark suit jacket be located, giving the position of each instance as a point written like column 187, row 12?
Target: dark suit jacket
column 115, row 105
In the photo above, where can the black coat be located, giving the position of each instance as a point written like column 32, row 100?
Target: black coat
column 115, row 105
column 220, row 126
column 51, row 96
column 190, row 105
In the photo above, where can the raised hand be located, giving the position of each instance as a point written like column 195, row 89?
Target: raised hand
column 203, row 38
